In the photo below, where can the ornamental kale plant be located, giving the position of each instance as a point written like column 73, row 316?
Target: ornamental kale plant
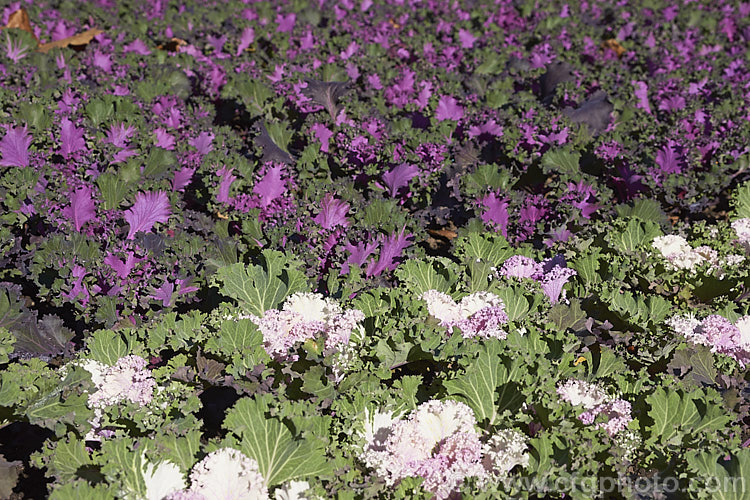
column 374, row 249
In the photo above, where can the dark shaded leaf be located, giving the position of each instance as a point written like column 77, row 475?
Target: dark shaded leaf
column 326, row 94
column 271, row 151
column 594, row 113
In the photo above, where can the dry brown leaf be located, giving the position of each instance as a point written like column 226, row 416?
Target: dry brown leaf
column 20, row 19
column 443, row 233
column 615, row 46
column 78, row 39
column 173, row 45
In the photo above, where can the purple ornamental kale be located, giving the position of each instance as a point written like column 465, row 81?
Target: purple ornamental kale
column 668, row 160
column 554, row 280
column 15, row 148
column 122, row 269
column 399, row 177
column 271, row 186
column 182, row 178
column 203, row 143
column 448, row 109
column 148, row 209
column 322, row 134
column 81, row 209
column 225, row 174
column 390, row 250
column 71, row 138
column 496, row 212
column 332, row 212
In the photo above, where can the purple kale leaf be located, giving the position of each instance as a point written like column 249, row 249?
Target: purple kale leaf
column 271, row 186
column 390, row 250
column 71, row 138
column 15, row 148
column 148, row 209
column 399, row 177
column 332, row 212
column 81, row 209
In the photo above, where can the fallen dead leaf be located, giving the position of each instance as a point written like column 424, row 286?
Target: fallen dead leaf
column 78, row 39
column 615, row 46
column 173, row 45
column 443, row 233
column 20, row 19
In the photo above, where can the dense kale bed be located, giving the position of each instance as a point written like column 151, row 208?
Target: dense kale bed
column 360, row 249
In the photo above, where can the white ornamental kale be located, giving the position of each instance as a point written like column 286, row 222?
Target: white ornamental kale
column 437, row 442
column 305, row 316
column 225, row 474
column 126, row 380
column 680, row 255
column 477, row 315
column 505, row 450
column 162, row 480
column 742, row 228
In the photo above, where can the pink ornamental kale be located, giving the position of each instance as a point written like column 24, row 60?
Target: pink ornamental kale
column 15, row 148
column 718, row 333
column 480, row 314
column 519, row 266
column 148, row 209
column 553, row 281
column 437, row 442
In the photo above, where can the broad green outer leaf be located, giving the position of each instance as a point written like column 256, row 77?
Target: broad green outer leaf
column 742, row 202
column 670, row 410
column 605, row 362
column 516, row 305
column 280, row 457
column 121, row 464
column 238, row 336
column 566, row 316
column 562, row 161
column 675, row 415
column 725, row 480
column 253, row 288
column 69, row 456
column 181, row 450
column 636, row 233
column 491, row 248
column 371, row 303
column 421, row 276
column 658, row 309
column 63, row 403
column 107, row 347
column 82, row 490
column 478, row 386
column 587, row 268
